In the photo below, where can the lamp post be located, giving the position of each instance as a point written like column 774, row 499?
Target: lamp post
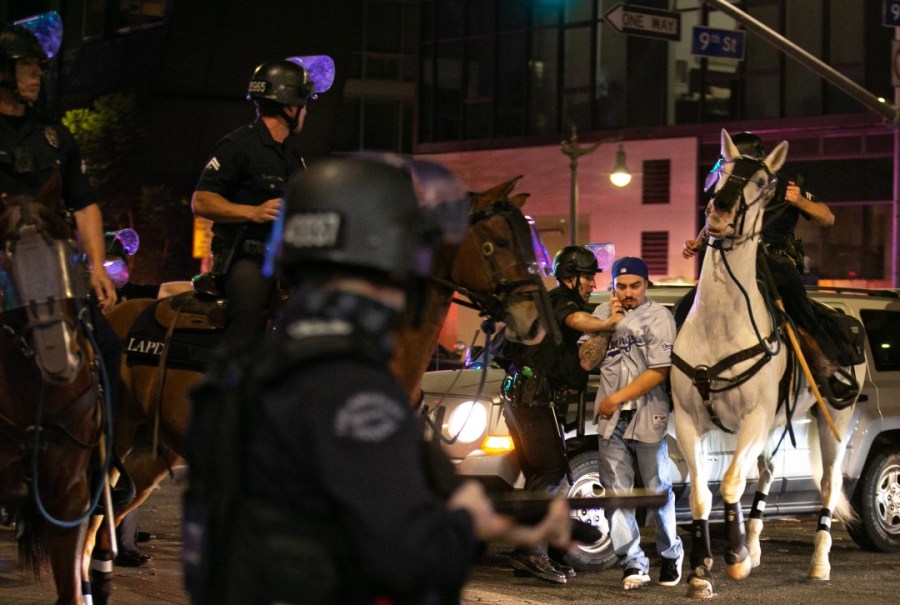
column 620, row 176
column 571, row 148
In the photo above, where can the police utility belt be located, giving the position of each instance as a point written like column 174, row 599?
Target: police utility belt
column 789, row 247
column 531, row 388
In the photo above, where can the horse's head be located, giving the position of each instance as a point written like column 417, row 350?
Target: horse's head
column 741, row 186
column 500, row 264
column 40, row 279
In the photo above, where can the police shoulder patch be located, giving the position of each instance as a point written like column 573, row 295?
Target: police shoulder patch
column 369, row 416
column 52, row 137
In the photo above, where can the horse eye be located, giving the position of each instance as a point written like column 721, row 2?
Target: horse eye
column 502, row 243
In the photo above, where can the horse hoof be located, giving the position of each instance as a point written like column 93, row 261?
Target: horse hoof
column 820, row 572
column 698, row 588
column 740, row 570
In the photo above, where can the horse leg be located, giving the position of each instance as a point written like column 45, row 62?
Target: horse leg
column 755, row 520
column 147, row 471
column 751, row 439
column 830, row 486
column 700, row 579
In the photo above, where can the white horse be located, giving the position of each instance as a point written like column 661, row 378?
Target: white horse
column 730, row 364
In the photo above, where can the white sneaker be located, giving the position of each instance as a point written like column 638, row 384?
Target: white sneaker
column 634, row 578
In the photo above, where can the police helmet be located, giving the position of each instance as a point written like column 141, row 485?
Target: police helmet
column 749, row 144
column 282, row 82
column 18, row 42
column 574, row 260
column 358, row 214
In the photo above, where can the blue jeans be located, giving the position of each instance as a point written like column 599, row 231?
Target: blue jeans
column 617, row 457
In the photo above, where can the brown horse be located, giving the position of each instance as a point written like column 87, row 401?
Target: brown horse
column 50, row 403
column 493, row 265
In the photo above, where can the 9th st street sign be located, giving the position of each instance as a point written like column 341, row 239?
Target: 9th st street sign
column 644, row 21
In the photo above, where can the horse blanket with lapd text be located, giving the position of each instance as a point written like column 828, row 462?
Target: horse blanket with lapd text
column 188, row 349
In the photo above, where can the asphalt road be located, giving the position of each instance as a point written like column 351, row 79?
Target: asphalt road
column 787, row 547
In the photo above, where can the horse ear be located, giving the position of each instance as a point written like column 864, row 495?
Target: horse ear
column 519, row 199
column 495, row 193
column 776, row 159
column 728, row 149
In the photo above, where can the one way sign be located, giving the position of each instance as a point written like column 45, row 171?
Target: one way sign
column 644, row 21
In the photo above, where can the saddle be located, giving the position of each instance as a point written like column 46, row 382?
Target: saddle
column 180, row 331
column 191, row 311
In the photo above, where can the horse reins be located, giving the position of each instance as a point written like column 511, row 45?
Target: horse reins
column 703, row 376
column 492, row 304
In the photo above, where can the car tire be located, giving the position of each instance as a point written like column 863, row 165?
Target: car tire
column 877, row 500
column 586, row 482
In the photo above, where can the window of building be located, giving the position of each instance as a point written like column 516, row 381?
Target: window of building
column 103, row 16
column 883, row 334
column 655, row 251
column 378, row 96
column 655, row 181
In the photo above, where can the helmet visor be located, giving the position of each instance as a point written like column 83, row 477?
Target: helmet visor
column 48, row 29
column 604, row 252
column 713, row 177
column 320, row 69
column 542, row 259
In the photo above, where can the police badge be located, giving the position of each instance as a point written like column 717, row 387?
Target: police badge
column 52, row 137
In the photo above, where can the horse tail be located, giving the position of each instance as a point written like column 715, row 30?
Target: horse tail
column 843, row 510
column 31, row 540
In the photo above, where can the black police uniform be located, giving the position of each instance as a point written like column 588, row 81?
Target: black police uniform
column 336, row 506
column 32, row 150
column 247, row 167
column 556, row 378
column 783, row 255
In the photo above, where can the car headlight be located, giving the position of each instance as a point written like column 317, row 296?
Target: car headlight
column 468, row 420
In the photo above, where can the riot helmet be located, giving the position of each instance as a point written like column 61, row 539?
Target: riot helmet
column 750, row 145
column 17, row 42
column 282, row 82
column 573, row 261
column 359, row 215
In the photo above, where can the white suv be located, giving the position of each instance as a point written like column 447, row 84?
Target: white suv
column 469, row 407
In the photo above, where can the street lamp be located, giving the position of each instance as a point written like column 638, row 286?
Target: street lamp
column 619, row 177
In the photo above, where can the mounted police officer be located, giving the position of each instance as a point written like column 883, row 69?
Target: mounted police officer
column 782, row 253
column 329, row 499
column 544, row 379
column 39, row 158
column 241, row 186
column 36, row 152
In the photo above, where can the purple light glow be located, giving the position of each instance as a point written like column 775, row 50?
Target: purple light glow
column 48, row 29
column 320, row 68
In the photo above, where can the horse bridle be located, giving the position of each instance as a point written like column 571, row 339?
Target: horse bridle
column 744, row 169
column 493, row 303
column 703, row 376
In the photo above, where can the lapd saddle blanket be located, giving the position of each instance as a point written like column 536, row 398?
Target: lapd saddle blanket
column 192, row 341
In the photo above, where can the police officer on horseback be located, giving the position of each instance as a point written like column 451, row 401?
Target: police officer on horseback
column 783, row 256
column 39, row 157
column 241, row 186
column 330, row 501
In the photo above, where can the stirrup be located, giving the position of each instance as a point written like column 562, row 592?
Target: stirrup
column 208, row 284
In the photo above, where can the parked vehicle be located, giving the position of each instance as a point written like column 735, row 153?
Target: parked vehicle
column 871, row 467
